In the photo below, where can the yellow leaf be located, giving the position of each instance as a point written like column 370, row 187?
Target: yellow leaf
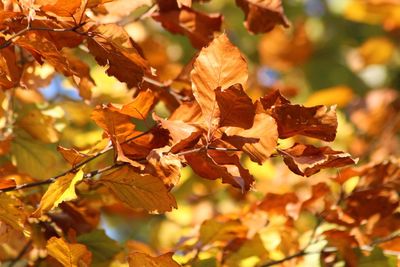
column 339, row 95
column 70, row 255
column 63, row 189
column 377, row 50
column 144, row 260
column 139, row 191
column 11, row 212
column 39, row 126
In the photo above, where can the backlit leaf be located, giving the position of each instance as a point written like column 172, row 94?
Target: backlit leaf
column 63, row 189
column 139, row 191
column 69, row 255
column 144, row 260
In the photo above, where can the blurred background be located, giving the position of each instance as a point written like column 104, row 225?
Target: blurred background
column 335, row 52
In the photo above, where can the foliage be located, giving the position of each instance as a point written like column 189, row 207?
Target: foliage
column 122, row 144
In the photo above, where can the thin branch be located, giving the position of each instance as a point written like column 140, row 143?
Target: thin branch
column 30, row 28
column 303, row 252
column 21, row 253
column 293, row 256
column 73, row 169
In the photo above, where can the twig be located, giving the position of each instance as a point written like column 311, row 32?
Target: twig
column 21, row 253
column 73, row 169
column 30, row 28
column 303, row 252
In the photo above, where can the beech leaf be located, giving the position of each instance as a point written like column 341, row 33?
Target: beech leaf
column 112, row 47
column 69, row 255
column 263, row 15
column 139, row 191
column 235, row 107
column 220, row 65
column 144, row 260
column 259, row 141
column 63, row 189
column 307, row 160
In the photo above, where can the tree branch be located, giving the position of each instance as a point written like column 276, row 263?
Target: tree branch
column 30, row 28
column 73, row 169
column 303, row 252
column 21, row 253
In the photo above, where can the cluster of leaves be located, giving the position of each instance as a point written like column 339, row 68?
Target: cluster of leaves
column 211, row 123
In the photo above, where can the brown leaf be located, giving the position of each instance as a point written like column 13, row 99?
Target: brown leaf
column 139, row 191
column 112, row 47
column 198, row 27
column 344, row 242
column 235, row 107
column 262, row 15
column 69, row 255
column 220, row 65
column 361, row 205
column 307, row 160
column 216, row 164
column 273, row 99
column 259, row 142
column 182, row 134
column 141, row 259
column 318, row 122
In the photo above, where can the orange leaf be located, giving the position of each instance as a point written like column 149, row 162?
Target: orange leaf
column 71, row 155
column 69, row 255
column 220, row 65
column 259, row 141
column 141, row 259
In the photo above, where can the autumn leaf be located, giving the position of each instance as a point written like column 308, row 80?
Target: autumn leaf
column 215, row 164
column 215, row 231
column 142, row 259
column 165, row 165
column 218, row 66
column 307, row 160
column 10, row 71
column 198, row 27
column 39, row 126
column 71, row 155
column 140, row 106
column 235, row 106
column 63, row 189
column 69, row 255
column 259, row 142
column 64, row 8
column 102, row 247
column 112, row 47
column 262, row 15
column 317, row 122
column 139, row 191
column 12, row 212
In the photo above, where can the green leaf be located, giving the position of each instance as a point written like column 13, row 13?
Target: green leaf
column 377, row 258
column 35, row 158
column 102, row 247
